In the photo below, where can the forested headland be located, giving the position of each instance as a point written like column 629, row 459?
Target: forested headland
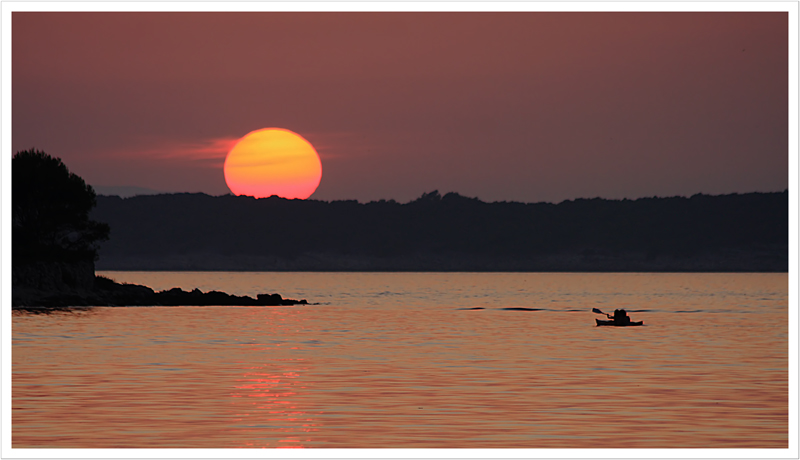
column 54, row 247
column 737, row 232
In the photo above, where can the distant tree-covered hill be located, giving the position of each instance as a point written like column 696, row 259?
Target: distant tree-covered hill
column 739, row 232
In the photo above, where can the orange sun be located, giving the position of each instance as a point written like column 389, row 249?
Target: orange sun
column 273, row 161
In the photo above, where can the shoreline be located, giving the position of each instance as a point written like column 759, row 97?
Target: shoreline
column 109, row 293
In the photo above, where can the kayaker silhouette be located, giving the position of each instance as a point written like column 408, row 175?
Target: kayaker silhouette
column 620, row 317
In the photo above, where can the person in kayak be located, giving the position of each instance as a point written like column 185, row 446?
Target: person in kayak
column 620, row 317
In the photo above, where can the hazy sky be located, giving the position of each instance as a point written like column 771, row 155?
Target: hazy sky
column 501, row 106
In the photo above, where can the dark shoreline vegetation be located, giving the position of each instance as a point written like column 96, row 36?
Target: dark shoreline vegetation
column 54, row 247
column 197, row 232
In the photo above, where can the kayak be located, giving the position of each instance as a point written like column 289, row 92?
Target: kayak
column 601, row 322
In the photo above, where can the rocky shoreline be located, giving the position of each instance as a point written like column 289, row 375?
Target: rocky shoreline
column 108, row 293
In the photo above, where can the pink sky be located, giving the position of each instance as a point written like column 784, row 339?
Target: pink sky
column 500, row 106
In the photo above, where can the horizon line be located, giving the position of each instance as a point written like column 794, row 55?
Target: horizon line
column 433, row 194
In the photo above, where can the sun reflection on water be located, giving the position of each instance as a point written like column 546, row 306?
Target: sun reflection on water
column 268, row 400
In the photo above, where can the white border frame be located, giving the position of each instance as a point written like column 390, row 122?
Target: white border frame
column 8, row 8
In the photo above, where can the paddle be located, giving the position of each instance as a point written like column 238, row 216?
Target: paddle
column 597, row 310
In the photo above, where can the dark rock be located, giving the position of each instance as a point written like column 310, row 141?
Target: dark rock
column 107, row 292
column 270, row 299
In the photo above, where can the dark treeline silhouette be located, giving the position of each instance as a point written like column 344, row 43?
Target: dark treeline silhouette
column 738, row 232
column 50, row 215
column 54, row 243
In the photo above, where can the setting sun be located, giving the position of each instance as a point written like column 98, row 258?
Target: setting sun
column 273, row 161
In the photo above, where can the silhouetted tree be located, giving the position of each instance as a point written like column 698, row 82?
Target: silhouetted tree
column 50, row 217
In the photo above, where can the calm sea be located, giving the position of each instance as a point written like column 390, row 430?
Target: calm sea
column 396, row 360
